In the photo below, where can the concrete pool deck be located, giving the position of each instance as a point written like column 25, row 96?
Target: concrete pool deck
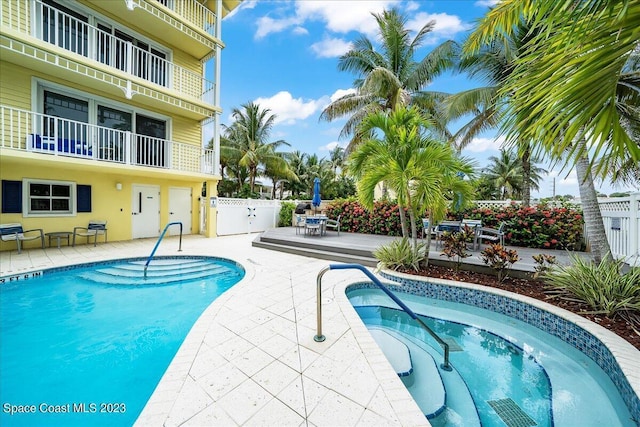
column 251, row 358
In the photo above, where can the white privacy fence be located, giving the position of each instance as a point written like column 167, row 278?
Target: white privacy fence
column 621, row 217
column 237, row 216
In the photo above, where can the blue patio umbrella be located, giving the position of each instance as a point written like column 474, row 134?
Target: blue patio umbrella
column 316, row 193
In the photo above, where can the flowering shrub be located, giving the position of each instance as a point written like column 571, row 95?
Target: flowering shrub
column 541, row 226
column 384, row 219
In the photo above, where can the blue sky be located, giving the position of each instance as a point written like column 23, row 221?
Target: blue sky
column 284, row 55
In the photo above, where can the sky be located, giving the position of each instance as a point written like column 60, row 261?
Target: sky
column 284, row 56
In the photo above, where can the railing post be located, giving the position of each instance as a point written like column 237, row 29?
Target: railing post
column 634, row 227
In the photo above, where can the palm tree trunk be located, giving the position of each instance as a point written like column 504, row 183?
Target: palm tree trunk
column 526, row 176
column 428, row 244
column 403, row 221
column 591, row 210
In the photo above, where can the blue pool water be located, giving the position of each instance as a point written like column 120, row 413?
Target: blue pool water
column 499, row 359
column 87, row 346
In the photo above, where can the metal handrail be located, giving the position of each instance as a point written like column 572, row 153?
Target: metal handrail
column 158, row 244
column 320, row 338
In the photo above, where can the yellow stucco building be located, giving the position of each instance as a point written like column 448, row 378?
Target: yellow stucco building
column 106, row 107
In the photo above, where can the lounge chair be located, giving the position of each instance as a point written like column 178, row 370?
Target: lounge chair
column 15, row 232
column 94, row 229
column 488, row 233
column 334, row 224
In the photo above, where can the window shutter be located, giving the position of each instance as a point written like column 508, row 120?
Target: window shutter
column 84, row 198
column 11, row 196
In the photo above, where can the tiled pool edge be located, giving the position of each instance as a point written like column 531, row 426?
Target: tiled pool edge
column 619, row 359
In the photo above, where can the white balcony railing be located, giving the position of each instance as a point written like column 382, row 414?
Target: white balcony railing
column 73, row 34
column 194, row 12
column 42, row 133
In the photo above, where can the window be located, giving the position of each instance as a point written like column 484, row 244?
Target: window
column 48, row 197
column 64, row 27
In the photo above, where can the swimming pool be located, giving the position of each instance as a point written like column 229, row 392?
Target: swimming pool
column 506, row 365
column 87, row 345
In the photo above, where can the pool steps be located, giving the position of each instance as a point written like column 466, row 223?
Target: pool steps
column 449, row 401
column 163, row 273
column 396, row 352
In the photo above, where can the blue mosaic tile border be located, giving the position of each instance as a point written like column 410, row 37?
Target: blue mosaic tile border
column 548, row 322
column 39, row 273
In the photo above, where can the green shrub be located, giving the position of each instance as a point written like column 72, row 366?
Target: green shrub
column 400, row 254
column 499, row 258
column 286, row 214
column 602, row 286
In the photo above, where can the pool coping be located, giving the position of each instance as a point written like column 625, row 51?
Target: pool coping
column 626, row 356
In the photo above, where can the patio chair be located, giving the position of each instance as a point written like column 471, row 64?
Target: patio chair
column 312, row 225
column 488, row 233
column 14, row 231
column 94, row 229
column 426, row 228
column 298, row 222
column 334, row 224
column 446, row 227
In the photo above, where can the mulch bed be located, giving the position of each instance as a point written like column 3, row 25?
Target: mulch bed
column 534, row 289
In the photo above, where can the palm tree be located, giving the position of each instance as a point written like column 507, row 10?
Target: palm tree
column 420, row 170
column 565, row 83
column 336, row 157
column 390, row 76
column 564, row 86
column 247, row 140
column 493, row 64
column 505, row 172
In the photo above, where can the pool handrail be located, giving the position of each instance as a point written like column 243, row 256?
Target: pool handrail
column 158, row 244
column 320, row 338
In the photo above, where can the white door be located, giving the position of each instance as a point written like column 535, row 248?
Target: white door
column 145, row 211
column 180, row 209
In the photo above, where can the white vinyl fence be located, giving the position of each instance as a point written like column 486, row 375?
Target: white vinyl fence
column 621, row 217
column 238, row 216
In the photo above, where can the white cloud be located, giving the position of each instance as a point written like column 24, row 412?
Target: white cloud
column 340, row 93
column 446, row 26
column 486, row 3
column 330, row 47
column 330, row 146
column 481, row 145
column 247, row 4
column 267, row 25
column 288, row 110
column 343, row 16
column 300, row 31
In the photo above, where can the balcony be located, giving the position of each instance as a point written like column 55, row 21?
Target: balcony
column 141, row 61
column 185, row 23
column 41, row 133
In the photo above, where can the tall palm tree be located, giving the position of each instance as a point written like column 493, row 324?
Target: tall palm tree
column 421, row 170
column 492, row 63
column 247, row 140
column 389, row 76
column 564, row 86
